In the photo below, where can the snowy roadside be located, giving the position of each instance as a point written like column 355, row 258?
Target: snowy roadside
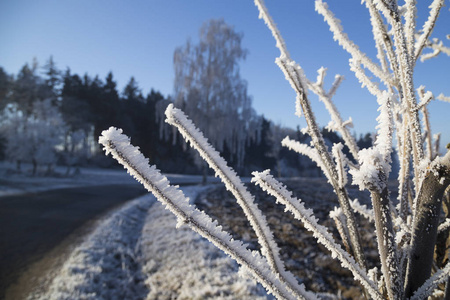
column 137, row 253
column 16, row 184
column 12, row 183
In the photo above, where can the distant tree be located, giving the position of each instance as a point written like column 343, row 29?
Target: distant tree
column 365, row 141
column 25, row 89
column 74, row 105
column 131, row 92
column 209, row 88
column 77, row 114
column 52, row 75
column 5, row 87
column 105, row 106
column 259, row 151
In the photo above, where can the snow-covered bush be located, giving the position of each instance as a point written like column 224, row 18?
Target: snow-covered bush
column 406, row 231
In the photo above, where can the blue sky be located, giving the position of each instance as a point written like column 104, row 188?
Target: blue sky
column 137, row 38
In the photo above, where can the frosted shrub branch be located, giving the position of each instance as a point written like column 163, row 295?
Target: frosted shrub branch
column 382, row 37
column 444, row 98
column 307, row 151
column 296, row 207
column 427, row 289
column 362, row 210
column 118, row 145
column 338, row 123
column 341, row 225
column 347, row 44
column 269, row 248
column 296, row 78
column 409, row 101
column 428, row 27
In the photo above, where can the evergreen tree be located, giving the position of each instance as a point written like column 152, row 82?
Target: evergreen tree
column 25, row 88
column 132, row 92
column 5, row 88
column 52, row 74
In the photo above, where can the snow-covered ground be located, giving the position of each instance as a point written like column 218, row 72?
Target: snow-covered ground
column 137, row 253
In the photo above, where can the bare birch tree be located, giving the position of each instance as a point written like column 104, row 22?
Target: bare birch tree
column 209, row 88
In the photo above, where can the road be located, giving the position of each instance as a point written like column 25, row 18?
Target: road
column 33, row 225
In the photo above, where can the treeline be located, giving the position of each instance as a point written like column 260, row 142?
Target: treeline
column 50, row 117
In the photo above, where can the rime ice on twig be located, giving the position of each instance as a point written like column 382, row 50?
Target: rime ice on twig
column 355, row 67
column 437, row 46
column 435, row 8
column 340, row 164
column 341, row 224
column 425, row 98
column 382, row 38
column 269, row 248
column 296, row 207
column 338, row 124
column 362, row 210
column 432, row 283
column 296, row 78
column 444, row 98
column 347, row 44
column 119, row 146
column 307, row 151
column 376, row 159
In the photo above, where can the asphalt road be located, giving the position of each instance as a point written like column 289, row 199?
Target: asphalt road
column 31, row 225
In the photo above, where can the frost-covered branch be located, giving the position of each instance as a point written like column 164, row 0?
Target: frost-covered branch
column 294, row 74
column 296, row 207
column 355, row 67
column 118, row 145
column 382, row 37
column 362, row 210
column 444, row 98
column 372, row 175
column 425, row 98
column 269, row 248
column 438, row 47
column 410, row 25
column 348, row 45
column 308, row 151
column 340, row 164
column 391, row 12
column 428, row 27
column 339, row 124
column 341, row 224
column 432, row 283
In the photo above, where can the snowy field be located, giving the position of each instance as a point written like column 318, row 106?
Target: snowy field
column 137, row 253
